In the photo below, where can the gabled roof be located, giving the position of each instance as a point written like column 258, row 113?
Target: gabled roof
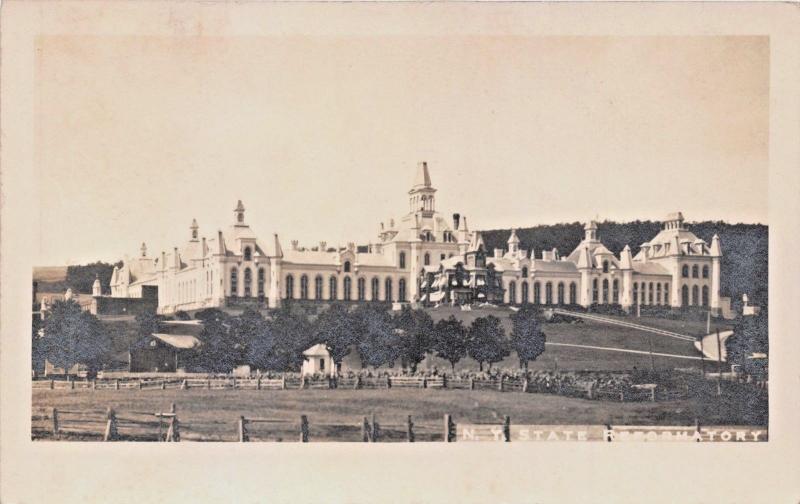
column 179, row 341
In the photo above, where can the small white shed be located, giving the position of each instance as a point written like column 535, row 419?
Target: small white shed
column 318, row 360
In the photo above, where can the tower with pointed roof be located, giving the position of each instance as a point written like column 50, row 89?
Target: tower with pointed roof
column 422, row 196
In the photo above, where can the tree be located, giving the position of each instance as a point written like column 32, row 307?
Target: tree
column 334, row 328
column 73, row 336
column 450, row 340
column 220, row 351
column 416, row 336
column 487, row 341
column 527, row 338
column 751, row 335
column 280, row 342
column 377, row 341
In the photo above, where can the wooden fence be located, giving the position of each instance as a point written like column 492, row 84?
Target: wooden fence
column 502, row 384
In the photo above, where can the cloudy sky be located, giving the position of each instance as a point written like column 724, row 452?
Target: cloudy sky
column 319, row 136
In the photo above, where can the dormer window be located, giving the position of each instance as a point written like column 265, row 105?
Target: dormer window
column 605, row 266
column 248, row 254
column 347, row 266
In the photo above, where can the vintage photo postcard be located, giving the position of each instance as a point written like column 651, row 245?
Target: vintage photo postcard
column 245, row 225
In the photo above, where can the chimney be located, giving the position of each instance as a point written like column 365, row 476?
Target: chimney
column 456, row 221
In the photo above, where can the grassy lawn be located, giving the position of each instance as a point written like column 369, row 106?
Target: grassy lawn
column 335, row 415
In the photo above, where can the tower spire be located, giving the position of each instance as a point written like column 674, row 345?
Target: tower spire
column 239, row 211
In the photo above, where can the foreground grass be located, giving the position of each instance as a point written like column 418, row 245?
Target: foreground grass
column 335, row 415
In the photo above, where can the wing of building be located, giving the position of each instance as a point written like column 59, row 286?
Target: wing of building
column 425, row 257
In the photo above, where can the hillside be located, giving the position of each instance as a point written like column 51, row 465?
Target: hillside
column 745, row 249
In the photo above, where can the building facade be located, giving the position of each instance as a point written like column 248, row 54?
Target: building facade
column 421, row 257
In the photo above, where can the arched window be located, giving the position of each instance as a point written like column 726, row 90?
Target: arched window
column 248, row 282
column 304, row 287
column 560, row 293
column 705, row 271
column 401, row 290
column 650, row 293
column 666, row 294
column 376, row 286
column 605, row 266
column 685, row 271
column 595, row 291
column 605, row 291
column 512, row 292
column 347, row 266
column 333, row 291
column 388, row 290
column 362, row 289
column 289, row 287
column 261, row 279
column 525, row 292
column 695, row 271
column 524, row 272
column 248, row 254
column 685, row 296
column 615, row 292
column 705, row 295
column 573, row 293
column 348, row 287
column 427, row 259
column 234, row 282
column 402, row 260
column 548, row 293
column 318, row 288
column 658, row 293
column 694, row 295
column 537, row 293
column 636, row 293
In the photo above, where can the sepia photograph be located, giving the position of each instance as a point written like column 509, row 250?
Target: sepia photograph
column 395, row 236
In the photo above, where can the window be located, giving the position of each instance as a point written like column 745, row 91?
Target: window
column 650, row 294
column 347, row 288
column 705, row 295
column 705, row 271
column 548, row 293
column 605, row 291
column 427, row 259
column 441, row 257
column 685, row 296
column 248, row 281
column 685, row 271
column 512, row 292
column 524, row 291
column 615, row 292
column 248, row 254
column 261, row 275
column 605, row 266
column 694, row 295
column 695, row 271
column 524, row 272
column 318, row 288
column 401, row 290
column 289, row 287
column 362, row 289
column 347, row 266
column 560, row 291
column 636, row 293
column 376, row 286
column 595, row 292
column 234, row 282
column 537, row 293
column 402, row 260
column 304, row 287
column 658, row 294
column 388, row 290
column 666, row 294
column 333, row 285
column 322, row 364
column 573, row 293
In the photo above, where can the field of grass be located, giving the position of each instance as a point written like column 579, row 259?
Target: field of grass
column 335, row 415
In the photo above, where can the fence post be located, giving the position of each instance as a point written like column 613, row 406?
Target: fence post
column 94, row 383
column 388, row 382
column 507, row 429
column 608, row 430
column 303, row 381
column 234, row 383
column 172, row 433
column 410, row 430
column 500, row 384
column 55, row 422
column 365, row 430
column 283, row 382
column 358, row 383
column 424, row 382
column 111, row 426
column 444, row 380
column 697, row 428
column 653, row 394
column 449, row 435
column 116, row 384
column 71, row 383
column 374, row 429
column 184, row 384
column 52, row 384
column 303, row 429
column 472, row 384
column 208, row 383
column 163, row 384
column 258, row 383
column 590, row 391
column 242, row 430
column 525, row 385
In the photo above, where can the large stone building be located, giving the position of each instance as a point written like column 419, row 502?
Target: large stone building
column 422, row 257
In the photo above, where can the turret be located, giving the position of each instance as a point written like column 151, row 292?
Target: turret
column 143, row 249
column 716, row 256
column 715, row 250
column 194, row 228
column 513, row 242
column 590, row 231
column 625, row 258
column 96, row 289
column 239, row 213
column 421, row 196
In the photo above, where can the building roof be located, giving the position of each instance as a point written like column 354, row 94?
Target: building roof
column 422, row 178
column 318, row 350
column 649, row 268
column 540, row 265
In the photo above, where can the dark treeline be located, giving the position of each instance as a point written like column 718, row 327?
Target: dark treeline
column 80, row 278
column 744, row 247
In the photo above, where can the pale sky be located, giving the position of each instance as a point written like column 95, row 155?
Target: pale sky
column 320, row 136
